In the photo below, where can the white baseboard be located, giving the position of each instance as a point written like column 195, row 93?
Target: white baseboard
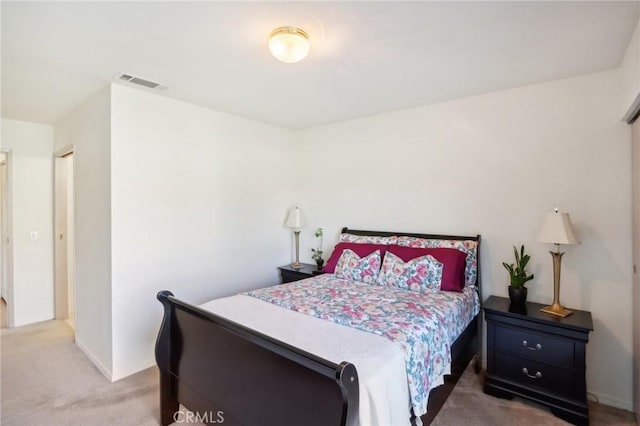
column 105, row 371
column 133, row 369
column 608, row 400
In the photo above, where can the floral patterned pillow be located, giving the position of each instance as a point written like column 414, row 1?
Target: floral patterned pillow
column 350, row 266
column 367, row 239
column 469, row 247
column 418, row 274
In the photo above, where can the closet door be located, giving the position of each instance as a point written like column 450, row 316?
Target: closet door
column 635, row 199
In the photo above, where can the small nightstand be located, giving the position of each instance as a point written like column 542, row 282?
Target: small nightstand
column 537, row 356
column 288, row 273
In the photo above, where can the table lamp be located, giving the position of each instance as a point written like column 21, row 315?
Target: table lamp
column 556, row 228
column 296, row 220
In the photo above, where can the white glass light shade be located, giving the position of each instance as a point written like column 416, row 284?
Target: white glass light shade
column 289, row 44
column 296, row 219
column 556, row 228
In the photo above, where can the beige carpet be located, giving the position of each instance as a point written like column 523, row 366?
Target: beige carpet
column 46, row 380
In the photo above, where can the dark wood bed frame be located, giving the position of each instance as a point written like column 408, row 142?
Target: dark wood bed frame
column 230, row 374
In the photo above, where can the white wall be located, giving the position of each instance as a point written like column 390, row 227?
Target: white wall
column 88, row 129
column 630, row 69
column 494, row 164
column 199, row 199
column 31, row 177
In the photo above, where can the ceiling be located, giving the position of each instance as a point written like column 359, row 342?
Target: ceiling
column 366, row 57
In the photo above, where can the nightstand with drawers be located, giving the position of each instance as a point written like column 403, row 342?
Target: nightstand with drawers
column 537, row 356
column 288, row 273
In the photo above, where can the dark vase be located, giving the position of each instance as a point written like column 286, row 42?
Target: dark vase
column 518, row 296
column 320, row 263
column 518, row 309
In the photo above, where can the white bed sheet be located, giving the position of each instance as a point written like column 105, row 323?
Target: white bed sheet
column 384, row 391
column 382, row 375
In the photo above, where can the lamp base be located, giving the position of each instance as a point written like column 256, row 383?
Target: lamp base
column 557, row 310
column 297, row 265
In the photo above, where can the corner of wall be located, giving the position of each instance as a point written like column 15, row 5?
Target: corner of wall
column 88, row 130
column 106, row 372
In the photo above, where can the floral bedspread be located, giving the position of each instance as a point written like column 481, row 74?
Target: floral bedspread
column 424, row 324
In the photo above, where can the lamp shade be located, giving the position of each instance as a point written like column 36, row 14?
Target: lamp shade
column 556, row 228
column 289, row 44
column 296, row 219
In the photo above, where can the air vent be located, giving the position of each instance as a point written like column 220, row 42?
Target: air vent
column 141, row 82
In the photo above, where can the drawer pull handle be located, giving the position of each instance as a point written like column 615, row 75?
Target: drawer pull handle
column 537, row 347
column 535, row 376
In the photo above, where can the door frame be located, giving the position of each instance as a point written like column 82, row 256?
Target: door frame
column 6, row 236
column 57, row 292
column 631, row 118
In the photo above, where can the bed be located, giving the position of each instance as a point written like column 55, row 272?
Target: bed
column 231, row 359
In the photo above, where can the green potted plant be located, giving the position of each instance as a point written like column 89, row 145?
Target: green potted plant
column 317, row 252
column 518, row 276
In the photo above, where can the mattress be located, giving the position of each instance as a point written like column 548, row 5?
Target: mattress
column 381, row 363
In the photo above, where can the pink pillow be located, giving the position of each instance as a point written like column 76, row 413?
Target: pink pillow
column 367, row 239
column 361, row 250
column 470, row 247
column 454, row 262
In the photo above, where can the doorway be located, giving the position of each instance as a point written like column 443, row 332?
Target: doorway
column 64, row 223
column 6, row 243
column 632, row 118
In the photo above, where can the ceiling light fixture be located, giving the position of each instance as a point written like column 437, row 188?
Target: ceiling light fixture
column 289, row 44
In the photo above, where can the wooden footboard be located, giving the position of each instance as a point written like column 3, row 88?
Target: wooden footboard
column 226, row 373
